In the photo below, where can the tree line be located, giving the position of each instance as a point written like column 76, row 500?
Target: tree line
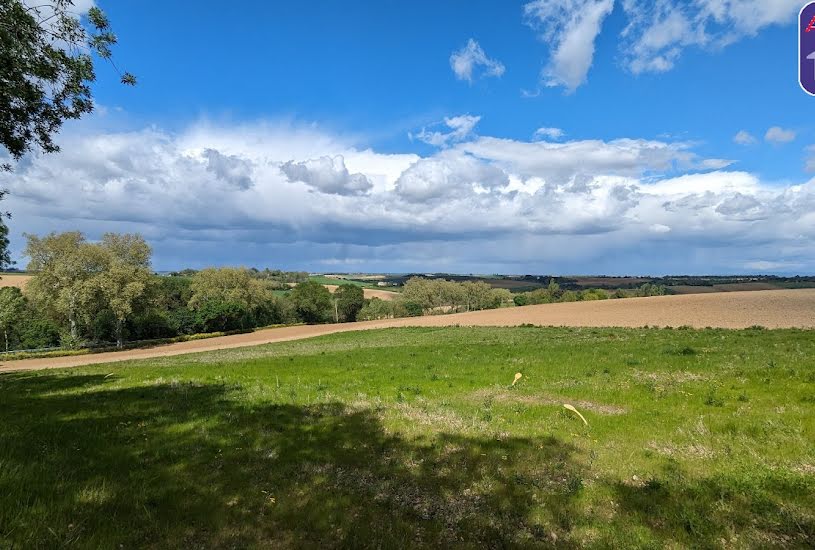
column 94, row 293
column 84, row 293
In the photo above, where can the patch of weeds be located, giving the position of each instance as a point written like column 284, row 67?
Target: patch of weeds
column 685, row 351
column 574, row 485
column 434, row 377
column 771, row 364
column 743, row 397
column 713, row 400
column 485, row 412
column 415, row 390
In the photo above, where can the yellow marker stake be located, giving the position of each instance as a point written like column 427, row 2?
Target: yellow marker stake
column 571, row 408
column 517, row 377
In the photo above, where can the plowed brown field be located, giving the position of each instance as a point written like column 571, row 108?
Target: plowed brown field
column 14, row 279
column 770, row 309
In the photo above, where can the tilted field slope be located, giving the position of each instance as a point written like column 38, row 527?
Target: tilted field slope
column 770, row 309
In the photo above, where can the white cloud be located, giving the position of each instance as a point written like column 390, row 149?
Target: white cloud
column 327, row 174
column 656, row 33
column 743, row 137
column 659, row 30
column 561, row 161
column 715, row 164
column 776, row 134
column 550, row 133
column 466, row 61
column 460, row 127
column 571, row 26
column 290, row 196
column 763, row 265
column 447, row 175
column 810, row 161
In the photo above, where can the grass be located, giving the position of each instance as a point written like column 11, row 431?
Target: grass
column 416, row 438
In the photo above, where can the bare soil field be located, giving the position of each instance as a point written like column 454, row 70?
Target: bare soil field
column 369, row 292
column 14, row 279
column 736, row 310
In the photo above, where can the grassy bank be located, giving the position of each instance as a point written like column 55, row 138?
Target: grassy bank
column 415, row 437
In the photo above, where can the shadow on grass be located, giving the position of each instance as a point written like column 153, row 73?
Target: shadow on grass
column 84, row 464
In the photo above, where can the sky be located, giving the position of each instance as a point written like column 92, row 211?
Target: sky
column 467, row 136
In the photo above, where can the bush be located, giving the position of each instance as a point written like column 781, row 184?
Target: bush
column 37, row 333
column 521, row 299
column 312, row 302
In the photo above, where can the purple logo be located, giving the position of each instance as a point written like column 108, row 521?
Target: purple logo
column 806, row 48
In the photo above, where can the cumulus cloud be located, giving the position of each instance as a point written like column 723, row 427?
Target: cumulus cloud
column 571, row 26
column 467, row 61
column 447, row 175
column 458, row 129
column 549, row 133
column 743, row 137
column 328, row 175
column 298, row 197
column 776, row 134
column 229, row 168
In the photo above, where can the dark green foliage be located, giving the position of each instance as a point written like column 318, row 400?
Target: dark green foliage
column 5, row 257
column 21, row 325
column 412, row 309
column 36, row 332
column 651, row 289
column 217, row 316
column 350, row 299
column 312, row 302
column 46, row 69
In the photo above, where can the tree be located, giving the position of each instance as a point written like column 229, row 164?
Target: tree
column 477, row 295
column 376, row 309
column 349, row 300
column 229, row 298
column 229, row 284
column 64, row 267
column 5, row 258
column 312, row 302
column 12, row 305
column 46, row 67
column 125, row 281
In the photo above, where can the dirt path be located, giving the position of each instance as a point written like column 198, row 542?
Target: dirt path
column 770, row 309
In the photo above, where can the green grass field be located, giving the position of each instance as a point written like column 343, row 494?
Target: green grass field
column 415, row 438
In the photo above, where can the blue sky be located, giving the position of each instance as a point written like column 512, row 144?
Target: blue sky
column 344, row 136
